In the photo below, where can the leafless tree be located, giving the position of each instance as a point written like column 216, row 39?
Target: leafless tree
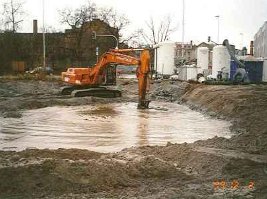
column 118, row 22
column 86, row 13
column 160, row 32
column 13, row 14
column 113, row 18
column 132, row 39
column 77, row 17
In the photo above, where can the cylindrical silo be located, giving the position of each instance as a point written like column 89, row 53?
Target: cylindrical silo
column 165, row 58
column 202, row 59
column 221, row 61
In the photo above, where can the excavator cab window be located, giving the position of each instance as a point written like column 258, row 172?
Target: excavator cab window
column 110, row 75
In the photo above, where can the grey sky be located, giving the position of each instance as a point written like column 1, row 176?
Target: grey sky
column 236, row 16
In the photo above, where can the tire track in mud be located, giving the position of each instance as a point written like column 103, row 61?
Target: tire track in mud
column 232, row 154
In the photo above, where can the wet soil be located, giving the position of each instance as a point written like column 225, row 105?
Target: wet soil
column 171, row 171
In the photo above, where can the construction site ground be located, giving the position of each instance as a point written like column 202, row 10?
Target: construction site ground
column 213, row 168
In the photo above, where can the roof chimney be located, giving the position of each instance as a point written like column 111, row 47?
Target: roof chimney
column 35, row 27
column 252, row 48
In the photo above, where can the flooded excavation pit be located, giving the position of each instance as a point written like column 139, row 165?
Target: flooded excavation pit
column 108, row 127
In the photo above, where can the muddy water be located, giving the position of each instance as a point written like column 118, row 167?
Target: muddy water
column 107, row 128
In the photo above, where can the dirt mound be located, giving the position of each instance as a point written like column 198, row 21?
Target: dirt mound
column 244, row 106
column 37, row 172
column 173, row 171
column 169, row 91
column 184, row 157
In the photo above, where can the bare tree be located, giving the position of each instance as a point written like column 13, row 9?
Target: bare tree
column 160, row 32
column 13, row 14
column 118, row 22
column 86, row 13
column 77, row 17
column 113, row 18
column 132, row 39
column 78, row 20
column 1, row 26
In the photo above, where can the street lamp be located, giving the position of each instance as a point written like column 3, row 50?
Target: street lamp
column 94, row 36
column 218, row 36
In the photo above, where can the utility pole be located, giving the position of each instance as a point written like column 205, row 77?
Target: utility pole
column 44, row 48
column 218, row 36
column 183, row 28
column 97, row 53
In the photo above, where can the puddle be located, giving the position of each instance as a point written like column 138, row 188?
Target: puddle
column 107, row 128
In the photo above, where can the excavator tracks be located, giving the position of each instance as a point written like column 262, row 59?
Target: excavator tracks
column 96, row 92
column 102, row 92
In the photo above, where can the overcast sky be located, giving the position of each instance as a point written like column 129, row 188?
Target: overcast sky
column 237, row 17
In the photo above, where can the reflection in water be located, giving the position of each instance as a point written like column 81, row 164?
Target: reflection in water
column 107, row 128
column 142, row 130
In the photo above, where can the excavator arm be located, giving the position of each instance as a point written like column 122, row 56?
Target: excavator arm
column 109, row 58
column 143, row 79
column 93, row 76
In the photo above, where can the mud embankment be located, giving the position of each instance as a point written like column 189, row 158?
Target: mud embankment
column 173, row 171
column 244, row 105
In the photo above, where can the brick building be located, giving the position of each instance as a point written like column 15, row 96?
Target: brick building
column 189, row 51
column 74, row 47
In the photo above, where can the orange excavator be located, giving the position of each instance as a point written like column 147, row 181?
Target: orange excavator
column 88, row 81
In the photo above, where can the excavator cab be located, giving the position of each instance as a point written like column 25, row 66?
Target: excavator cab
column 110, row 75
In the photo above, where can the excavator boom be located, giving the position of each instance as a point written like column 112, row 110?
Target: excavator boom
column 93, row 77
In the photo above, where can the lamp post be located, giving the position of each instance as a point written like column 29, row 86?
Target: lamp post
column 116, row 39
column 94, row 36
column 218, row 36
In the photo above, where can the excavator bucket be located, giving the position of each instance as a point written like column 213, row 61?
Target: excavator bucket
column 144, row 104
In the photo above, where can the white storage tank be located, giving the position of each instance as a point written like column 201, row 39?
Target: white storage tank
column 164, row 58
column 221, row 61
column 202, row 59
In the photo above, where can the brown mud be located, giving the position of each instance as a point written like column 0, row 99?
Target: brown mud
column 171, row 171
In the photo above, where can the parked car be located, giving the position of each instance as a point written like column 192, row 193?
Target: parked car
column 47, row 70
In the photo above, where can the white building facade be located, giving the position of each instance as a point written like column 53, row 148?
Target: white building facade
column 260, row 42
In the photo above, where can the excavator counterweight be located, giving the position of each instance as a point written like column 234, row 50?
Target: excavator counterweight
column 88, row 81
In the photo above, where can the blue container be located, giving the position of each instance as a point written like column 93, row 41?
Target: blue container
column 253, row 68
column 233, row 68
